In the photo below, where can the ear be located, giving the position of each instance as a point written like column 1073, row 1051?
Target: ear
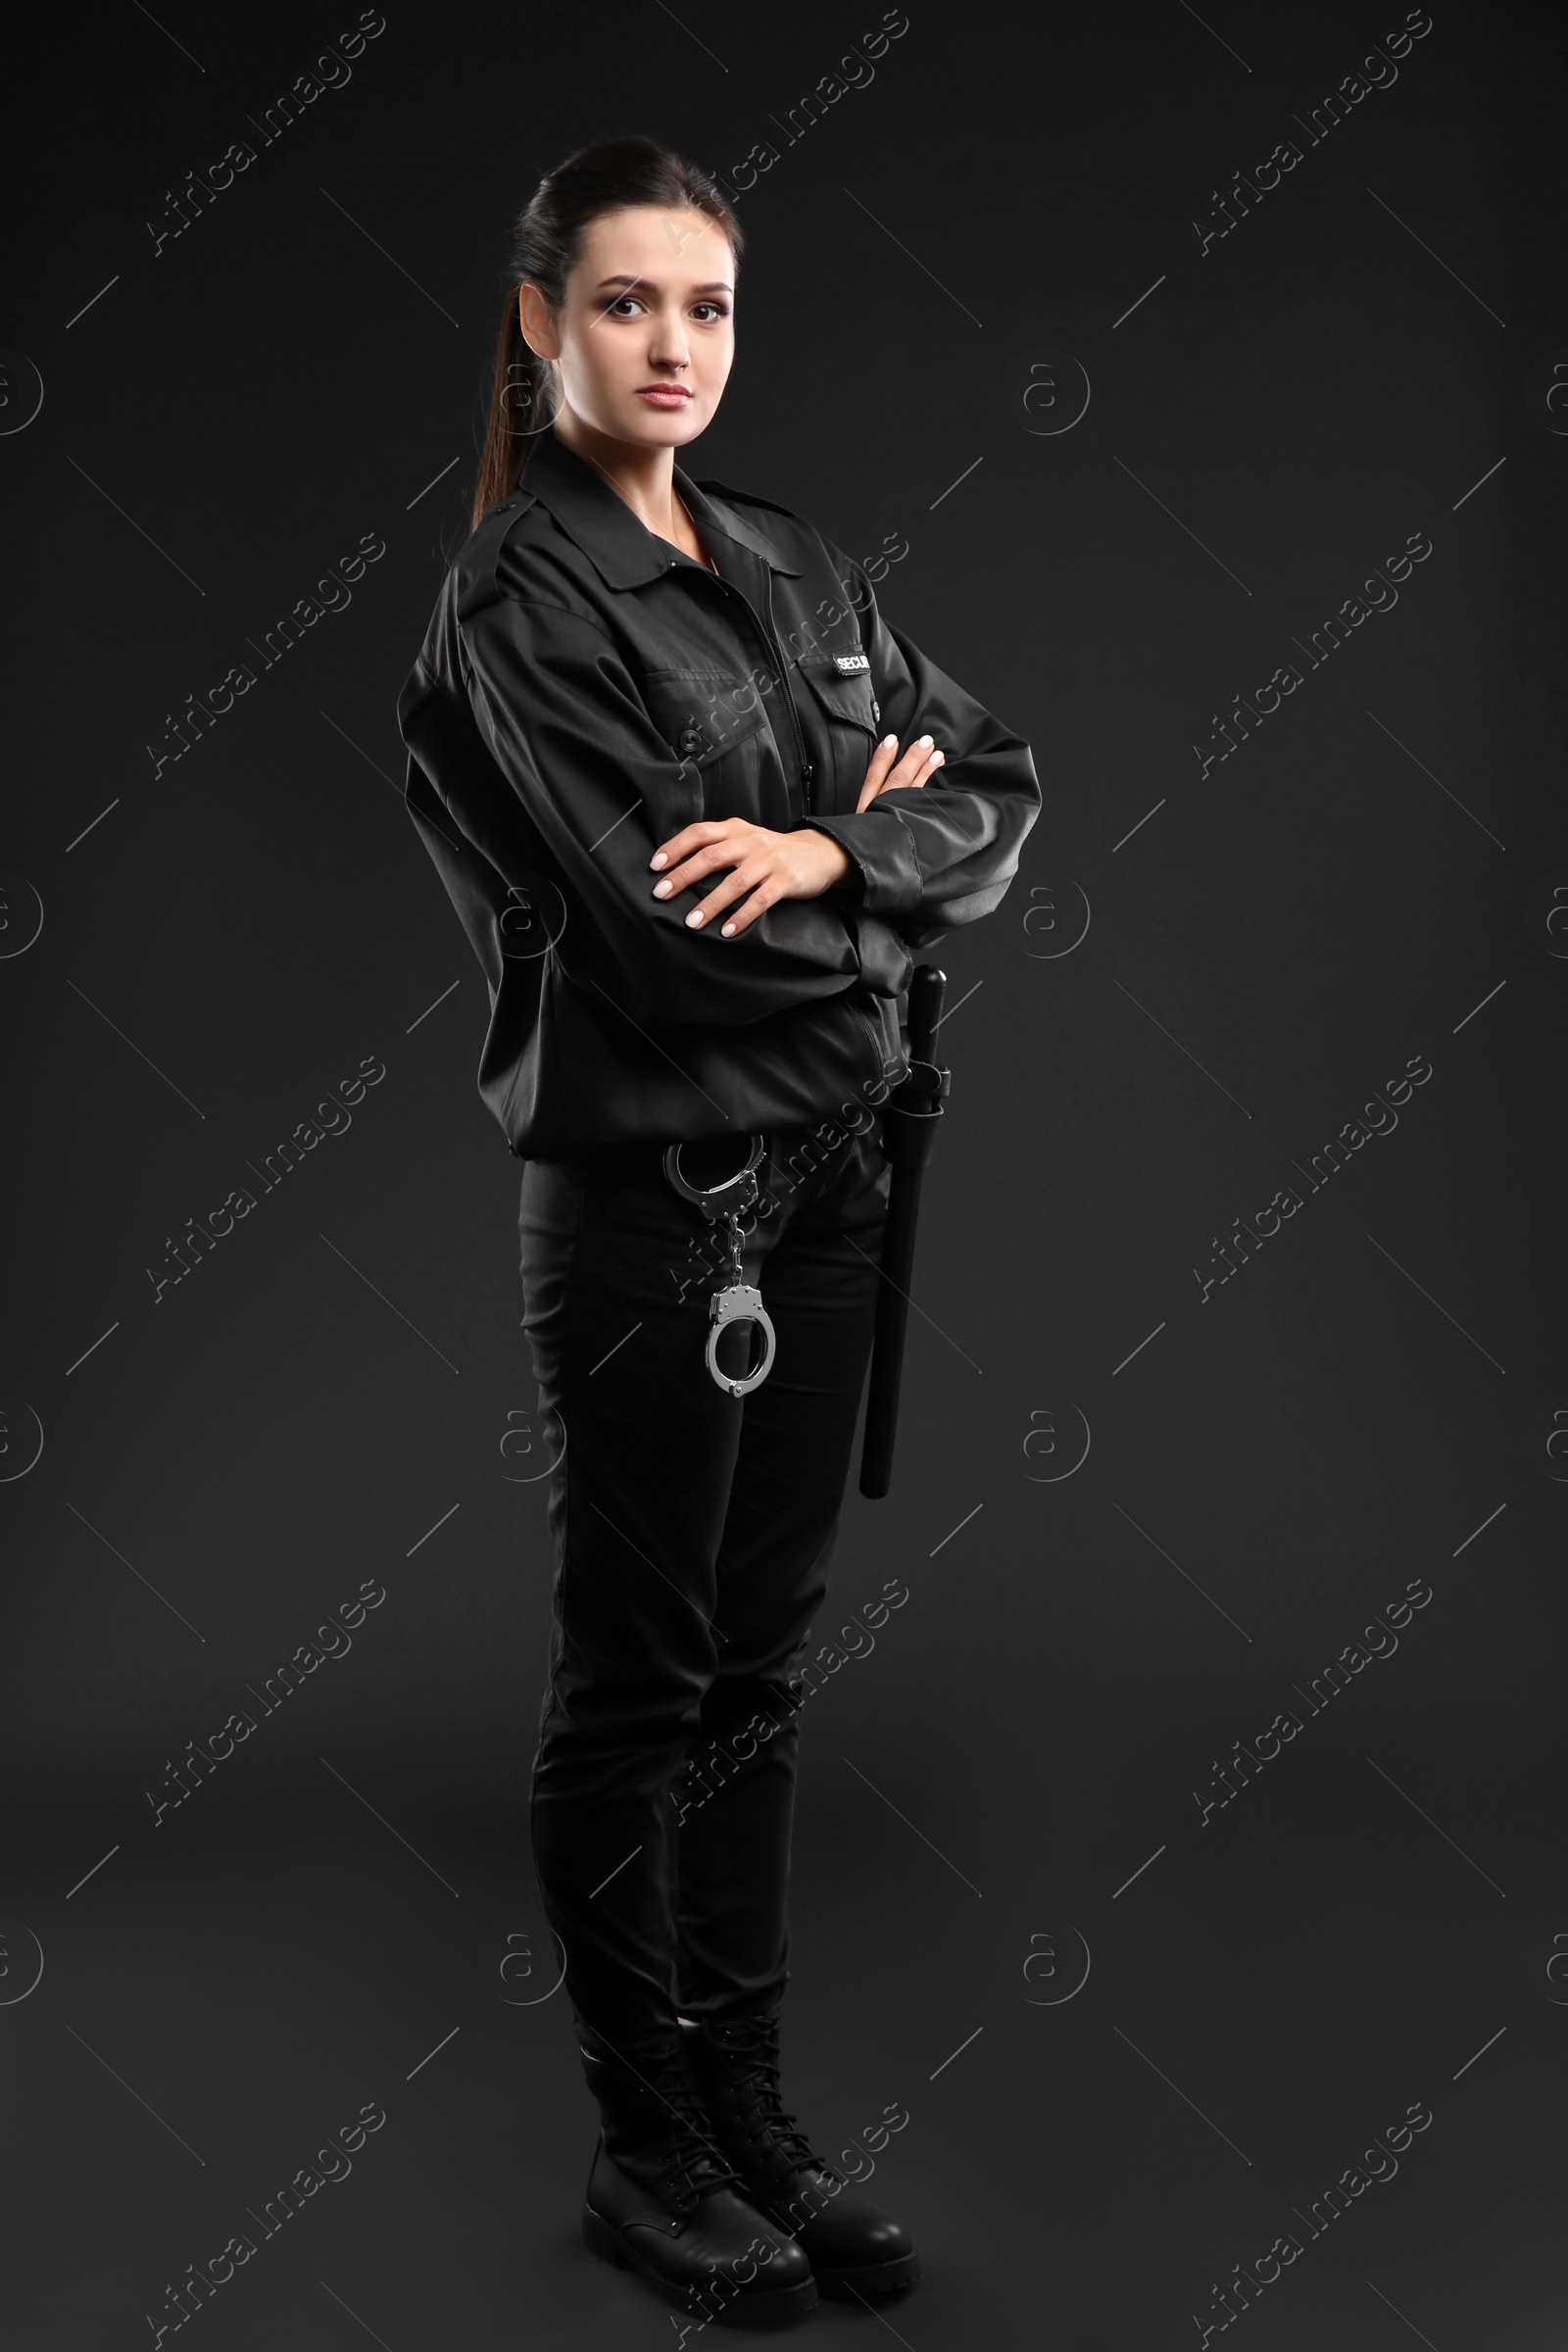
column 534, row 319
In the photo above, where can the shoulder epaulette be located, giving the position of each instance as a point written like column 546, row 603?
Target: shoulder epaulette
column 480, row 552
column 517, row 502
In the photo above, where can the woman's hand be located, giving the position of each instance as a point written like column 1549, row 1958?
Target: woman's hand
column 768, row 867
column 918, row 766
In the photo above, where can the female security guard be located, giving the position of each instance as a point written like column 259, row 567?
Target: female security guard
column 644, row 756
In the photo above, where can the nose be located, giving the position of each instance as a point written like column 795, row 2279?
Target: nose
column 669, row 348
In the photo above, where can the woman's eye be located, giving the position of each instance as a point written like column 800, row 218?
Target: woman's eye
column 627, row 306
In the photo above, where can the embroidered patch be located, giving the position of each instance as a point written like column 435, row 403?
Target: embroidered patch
column 850, row 661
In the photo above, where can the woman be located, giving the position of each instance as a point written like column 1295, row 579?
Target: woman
column 644, row 756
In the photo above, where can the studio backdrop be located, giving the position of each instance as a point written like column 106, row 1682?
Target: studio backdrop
column 1180, row 1919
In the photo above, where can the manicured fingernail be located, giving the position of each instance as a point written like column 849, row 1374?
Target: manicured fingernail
column 890, row 743
column 937, row 759
column 727, row 931
column 926, row 742
column 658, row 859
column 694, row 919
column 661, row 890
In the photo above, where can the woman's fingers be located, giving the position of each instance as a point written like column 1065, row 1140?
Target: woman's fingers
column 690, row 870
column 880, row 761
column 706, row 833
column 735, row 884
column 918, row 764
column 741, row 918
column 700, row 849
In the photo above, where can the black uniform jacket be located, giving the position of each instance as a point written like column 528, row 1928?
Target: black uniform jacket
column 584, row 690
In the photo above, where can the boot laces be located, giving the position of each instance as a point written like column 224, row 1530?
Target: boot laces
column 692, row 2161
column 751, row 2047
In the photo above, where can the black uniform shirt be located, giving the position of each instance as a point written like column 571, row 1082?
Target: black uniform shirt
column 584, row 690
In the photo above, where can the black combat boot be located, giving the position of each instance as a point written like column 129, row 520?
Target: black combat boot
column 661, row 2201
column 852, row 2245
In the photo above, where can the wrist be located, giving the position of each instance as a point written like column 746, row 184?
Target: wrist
column 840, row 869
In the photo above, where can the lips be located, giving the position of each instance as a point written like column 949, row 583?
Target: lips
column 664, row 396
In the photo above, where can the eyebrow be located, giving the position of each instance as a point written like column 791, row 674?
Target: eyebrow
column 714, row 285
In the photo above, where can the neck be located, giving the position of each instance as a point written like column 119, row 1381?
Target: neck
column 643, row 475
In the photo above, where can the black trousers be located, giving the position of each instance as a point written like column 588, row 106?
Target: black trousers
column 694, row 1534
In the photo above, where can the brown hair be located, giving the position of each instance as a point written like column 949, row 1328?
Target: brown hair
column 546, row 245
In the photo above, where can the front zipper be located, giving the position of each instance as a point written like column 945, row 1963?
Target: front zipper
column 789, row 695
column 766, row 631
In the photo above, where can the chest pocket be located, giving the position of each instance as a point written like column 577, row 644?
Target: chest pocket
column 717, row 726
column 845, row 702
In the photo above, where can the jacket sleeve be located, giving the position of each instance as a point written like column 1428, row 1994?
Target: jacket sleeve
column 934, row 856
column 561, row 716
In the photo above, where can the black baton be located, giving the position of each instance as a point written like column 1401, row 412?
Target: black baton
column 910, row 1119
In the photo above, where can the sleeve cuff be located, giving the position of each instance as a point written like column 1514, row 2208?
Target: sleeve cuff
column 881, row 847
column 885, row 958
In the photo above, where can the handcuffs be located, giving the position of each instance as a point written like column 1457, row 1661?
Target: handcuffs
column 736, row 1302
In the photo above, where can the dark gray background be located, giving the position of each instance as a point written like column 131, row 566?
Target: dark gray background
column 1277, row 1986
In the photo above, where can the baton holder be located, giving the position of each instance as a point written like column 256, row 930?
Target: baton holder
column 910, row 1119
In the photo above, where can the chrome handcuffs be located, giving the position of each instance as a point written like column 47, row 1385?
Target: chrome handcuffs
column 736, row 1302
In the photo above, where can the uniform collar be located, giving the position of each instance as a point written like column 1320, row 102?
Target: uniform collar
column 626, row 553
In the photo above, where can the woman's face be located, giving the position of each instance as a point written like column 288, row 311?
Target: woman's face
column 645, row 338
